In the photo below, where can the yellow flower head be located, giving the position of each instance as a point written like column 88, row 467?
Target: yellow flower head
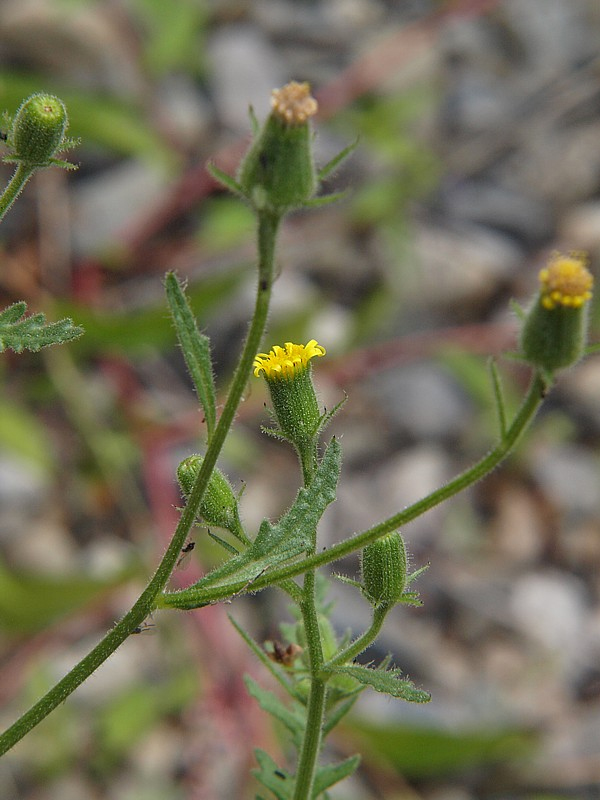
column 566, row 281
column 287, row 361
column 293, row 103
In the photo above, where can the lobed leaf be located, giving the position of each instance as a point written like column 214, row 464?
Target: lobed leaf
column 277, row 780
column 275, row 543
column 334, row 773
column 293, row 720
column 385, row 681
column 20, row 333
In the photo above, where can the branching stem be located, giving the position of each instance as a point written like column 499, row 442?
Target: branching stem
column 267, row 232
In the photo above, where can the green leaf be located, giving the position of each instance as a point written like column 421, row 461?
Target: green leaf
column 20, row 333
column 334, row 773
column 277, row 780
column 196, row 349
column 294, row 720
column 386, row 681
column 276, row 670
column 274, row 544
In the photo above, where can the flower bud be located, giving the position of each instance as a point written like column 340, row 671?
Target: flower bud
column 287, row 371
column 219, row 505
column 38, row 130
column 278, row 172
column 554, row 331
column 383, row 569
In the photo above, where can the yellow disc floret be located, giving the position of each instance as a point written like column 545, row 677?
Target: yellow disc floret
column 293, row 103
column 287, row 361
column 566, row 281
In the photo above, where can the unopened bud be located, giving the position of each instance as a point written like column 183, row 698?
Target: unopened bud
column 383, row 568
column 219, row 505
column 554, row 331
column 278, row 172
column 38, row 130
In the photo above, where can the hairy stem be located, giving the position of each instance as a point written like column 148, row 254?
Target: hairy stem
column 527, row 411
column 360, row 644
column 311, row 743
column 268, row 225
column 15, row 187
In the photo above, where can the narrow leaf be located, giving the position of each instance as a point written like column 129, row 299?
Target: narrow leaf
column 334, row 773
column 196, row 349
column 386, row 681
column 277, row 780
column 269, row 702
column 224, row 179
column 275, row 669
column 337, row 160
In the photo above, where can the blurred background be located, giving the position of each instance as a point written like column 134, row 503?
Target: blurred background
column 479, row 154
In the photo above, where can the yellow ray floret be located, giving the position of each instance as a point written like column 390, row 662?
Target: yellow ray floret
column 566, row 281
column 293, row 103
column 287, row 361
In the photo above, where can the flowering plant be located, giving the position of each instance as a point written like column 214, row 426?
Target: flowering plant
column 316, row 669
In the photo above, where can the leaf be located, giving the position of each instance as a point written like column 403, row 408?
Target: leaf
column 277, row 780
column 20, row 333
column 196, row 349
column 334, row 773
column 294, row 721
column 386, row 681
column 276, row 543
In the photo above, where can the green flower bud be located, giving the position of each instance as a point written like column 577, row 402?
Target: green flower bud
column 554, row 331
column 383, row 568
column 278, row 172
column 288, row 374
column 219, row 505
column 38, row 130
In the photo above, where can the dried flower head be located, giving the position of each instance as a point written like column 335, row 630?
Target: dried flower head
column 293, row 103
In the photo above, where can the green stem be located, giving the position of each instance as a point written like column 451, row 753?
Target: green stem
column 267, row 232
column 15, row 187
column 360, row 644
column 311, row 743
column 525, row 414
column 527, row 411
